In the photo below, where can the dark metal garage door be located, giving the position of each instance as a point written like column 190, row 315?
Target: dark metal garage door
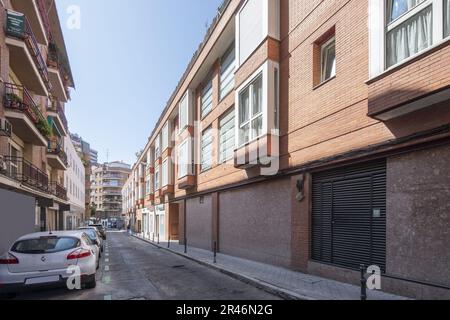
column 349, row 216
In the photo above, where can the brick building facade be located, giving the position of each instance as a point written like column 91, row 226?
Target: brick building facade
column 311, row 135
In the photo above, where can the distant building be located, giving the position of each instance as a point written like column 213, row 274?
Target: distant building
column 107, row 181
column 74, row 182
column 89, row 158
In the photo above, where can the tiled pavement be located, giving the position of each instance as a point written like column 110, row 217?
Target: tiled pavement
column 284, row 282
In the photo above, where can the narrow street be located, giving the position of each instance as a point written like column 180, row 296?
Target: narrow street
column 134, row 270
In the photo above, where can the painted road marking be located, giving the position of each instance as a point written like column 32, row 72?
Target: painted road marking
column 106, row 260
column 107, row 280
column 106, row 268
column 107, row 254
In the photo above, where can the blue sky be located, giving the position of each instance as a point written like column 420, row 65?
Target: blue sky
column 126, row 62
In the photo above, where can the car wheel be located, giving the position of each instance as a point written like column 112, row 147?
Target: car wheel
column 91, row 284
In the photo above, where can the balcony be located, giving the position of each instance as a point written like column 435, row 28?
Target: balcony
column 27, row 120
column 54, row 63
column 37, row 16
column 56, row 112
column 186, row 182
column 257, row 153
column 23, row 171
column 56, row 157
column 58, row 191
column 25, row 56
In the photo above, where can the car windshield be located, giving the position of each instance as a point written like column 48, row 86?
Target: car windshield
column 45, row 245
column 92, row 234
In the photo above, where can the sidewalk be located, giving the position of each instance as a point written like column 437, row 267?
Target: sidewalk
column 279, row 281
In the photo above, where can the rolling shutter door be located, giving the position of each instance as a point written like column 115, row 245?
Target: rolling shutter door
column 349, row 216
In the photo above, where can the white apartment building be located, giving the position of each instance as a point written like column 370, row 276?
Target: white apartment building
column 74, row 182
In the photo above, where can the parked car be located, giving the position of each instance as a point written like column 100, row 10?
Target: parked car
column 95, row 236
column 22, row 267
column 100, row 229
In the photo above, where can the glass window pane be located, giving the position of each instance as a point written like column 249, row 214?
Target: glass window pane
column 227, row 72
column 257, row 127
column 244, row 106
column 410, row 37
column 446, row 18
column 257, row 96
column 206, row 154
column 207, row 99
column 329, row 60
column 397, row 8
column 244, row 135
column 226, row 147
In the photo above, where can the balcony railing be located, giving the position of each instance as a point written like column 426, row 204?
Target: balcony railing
column 55, row 106
column 18, row 98
column 26, row 34
column 57, row 190
column 55, row 148
column 21, row 170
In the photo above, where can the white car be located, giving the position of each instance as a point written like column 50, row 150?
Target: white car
column 48, row 259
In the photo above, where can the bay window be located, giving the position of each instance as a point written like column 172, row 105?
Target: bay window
column 165, row 137
column 157, row 147
column 250, row 111
column 165, row 173
column 226, row 143
column 227, row 72
column 401, row 29
column 206, row 149
column 183, row 159
column 157, row 178
column 207, row 98
column 184, row 112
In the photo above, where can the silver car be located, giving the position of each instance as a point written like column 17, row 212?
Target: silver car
column 95, row 236
column 48, row 259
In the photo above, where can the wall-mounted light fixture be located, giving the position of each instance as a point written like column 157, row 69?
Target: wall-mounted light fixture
column 301, row 189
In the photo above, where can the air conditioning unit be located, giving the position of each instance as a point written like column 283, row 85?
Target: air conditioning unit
column 5, row 128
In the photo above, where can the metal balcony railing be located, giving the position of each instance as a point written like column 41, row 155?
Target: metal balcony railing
column 55, row 148
column 55, row 106
column 27, row 35
column 57, row 190
column 23, row 171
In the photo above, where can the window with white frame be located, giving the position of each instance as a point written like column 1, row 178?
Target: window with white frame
column 207, row 98
column 206, row 149
column 226, row 139
column 251, row 111
column 157, row 147
column 148, row 188
column 447, row 18
column 227, row 72
column 413, row 26
column 328, row 59
column 165, row 137
column 165, row 173
column 183, row 159
column 156, row 178
column 183, row 113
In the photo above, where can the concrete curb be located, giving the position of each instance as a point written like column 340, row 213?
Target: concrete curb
column 269, row 288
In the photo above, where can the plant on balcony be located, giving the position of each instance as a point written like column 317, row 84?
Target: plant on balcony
column 14, row 99
column 44, row 127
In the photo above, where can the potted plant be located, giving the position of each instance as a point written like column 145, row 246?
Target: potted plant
column 44, row 127
column 14, row 100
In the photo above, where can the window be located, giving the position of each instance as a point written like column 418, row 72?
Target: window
column 251, row 112
column 446, row 18
column 328, row 60
column 165, row 172
column 183, row 159
column 165, row 137
column 147, row 186
column 157, row 147
column 251, row 28
column 226, row 142
column 157, row 178
column 183, row 111
column 206, row 151
column 207, row 99
column 409, row 28
column 227, row 72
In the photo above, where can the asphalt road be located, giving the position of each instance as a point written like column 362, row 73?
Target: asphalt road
column 135, row 270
